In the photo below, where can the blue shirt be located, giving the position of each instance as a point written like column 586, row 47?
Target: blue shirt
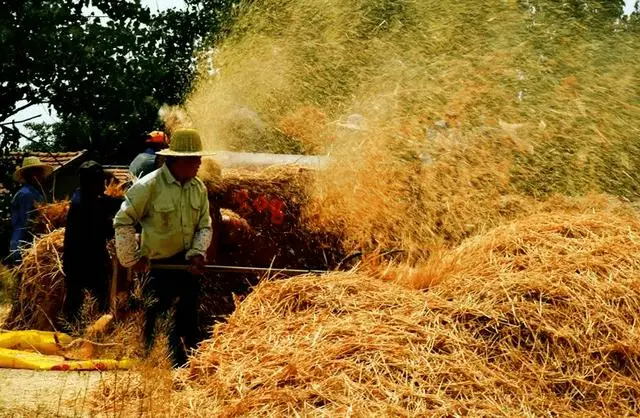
column 144, row 163
column 22, row 208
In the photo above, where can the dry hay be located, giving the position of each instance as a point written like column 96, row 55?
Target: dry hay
column 538, row 319
column 40, row 282
column 270, row 202
column 51, row 216
column 116, row 188
column 465, row 108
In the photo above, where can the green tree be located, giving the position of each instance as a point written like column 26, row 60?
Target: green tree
column 106, row 73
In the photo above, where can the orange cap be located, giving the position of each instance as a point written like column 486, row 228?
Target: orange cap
column 156, row 137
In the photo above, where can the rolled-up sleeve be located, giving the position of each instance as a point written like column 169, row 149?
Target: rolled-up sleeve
column 203, row 233
column 131, row 211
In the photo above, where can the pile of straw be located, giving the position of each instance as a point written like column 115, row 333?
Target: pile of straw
column 267, row 207
column 40, row 281
column 51, row 216
column 239, row 190
column 537, row 318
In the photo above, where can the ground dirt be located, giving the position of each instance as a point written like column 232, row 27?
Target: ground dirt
column 27, row 393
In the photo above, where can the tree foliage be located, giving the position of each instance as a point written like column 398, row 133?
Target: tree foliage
column 105, row 66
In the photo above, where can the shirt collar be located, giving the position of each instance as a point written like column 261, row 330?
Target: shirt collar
column 150, row 151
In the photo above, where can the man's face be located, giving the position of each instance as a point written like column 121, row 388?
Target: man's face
column 35, row 176
column 185, row 168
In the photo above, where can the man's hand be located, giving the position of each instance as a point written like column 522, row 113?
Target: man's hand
column 197, row 265
column 142, row 265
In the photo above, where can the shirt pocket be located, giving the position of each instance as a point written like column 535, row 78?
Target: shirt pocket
column 195, row 206
column 166, row 217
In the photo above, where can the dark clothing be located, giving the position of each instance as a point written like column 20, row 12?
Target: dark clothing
column 22, row 209
column 85, row 260
column 163, row 290
column 144, row 163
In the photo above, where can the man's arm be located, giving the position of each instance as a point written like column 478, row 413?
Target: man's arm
column 132, row 210
column 203, row 232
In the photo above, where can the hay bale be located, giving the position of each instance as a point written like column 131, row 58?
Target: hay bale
column 41, row 289
column 538, row 318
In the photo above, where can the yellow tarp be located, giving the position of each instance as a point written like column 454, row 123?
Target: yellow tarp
column 42, row 342
column 16, row 359
column 38, row 350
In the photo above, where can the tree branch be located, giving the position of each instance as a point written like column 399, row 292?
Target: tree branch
column 13, row 122
column 13, row 112
column 34, row 140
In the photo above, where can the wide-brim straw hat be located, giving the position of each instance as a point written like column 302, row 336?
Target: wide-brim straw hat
column 185, row 143
column 31, row 163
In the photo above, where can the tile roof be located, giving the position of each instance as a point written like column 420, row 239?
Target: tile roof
column 120, row 173
column 55, row 159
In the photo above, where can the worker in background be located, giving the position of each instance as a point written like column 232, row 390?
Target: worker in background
column 172, row 207
column 85, row 260
column 147, row 161
column 32, row 175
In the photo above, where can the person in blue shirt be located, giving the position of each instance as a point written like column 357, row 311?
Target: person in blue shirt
column 85, row 260
column 32, row 174
column 146, row 162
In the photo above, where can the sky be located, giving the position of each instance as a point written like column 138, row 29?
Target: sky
column 163, row 4
column 155, row 5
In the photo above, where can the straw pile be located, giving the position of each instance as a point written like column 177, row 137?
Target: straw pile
column 537, row 319
column 242, row 191
column 51, row 216
column 40, row 281
column 267, row 207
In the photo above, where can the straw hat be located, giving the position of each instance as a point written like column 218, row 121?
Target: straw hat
column 185, row 143
column 90, row 169
column 31, row 163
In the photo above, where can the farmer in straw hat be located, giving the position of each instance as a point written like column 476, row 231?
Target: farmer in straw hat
column 147, row 161
column 172, row 207
column 32, row 174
